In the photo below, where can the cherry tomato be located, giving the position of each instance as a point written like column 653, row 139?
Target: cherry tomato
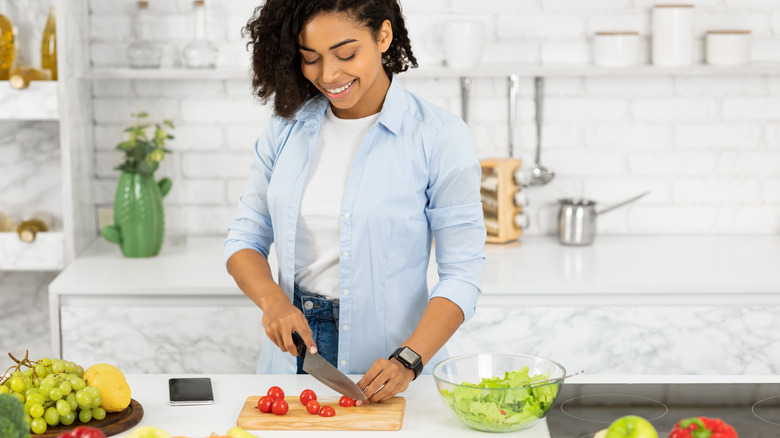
column 87, row 432
column 276, row 393
column 264, row 404
column 346, row 402
column 307, row 395
column 313, row 407
column 279, row 407
column 327, row 411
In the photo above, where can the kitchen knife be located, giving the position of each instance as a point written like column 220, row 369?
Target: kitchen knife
column 322, row 370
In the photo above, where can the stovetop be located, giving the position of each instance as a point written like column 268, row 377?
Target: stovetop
column 581, row 410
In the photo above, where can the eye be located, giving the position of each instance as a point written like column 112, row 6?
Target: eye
column 307, row 62
column 347, row 58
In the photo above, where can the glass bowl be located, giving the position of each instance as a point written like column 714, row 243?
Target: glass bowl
column 504, row 405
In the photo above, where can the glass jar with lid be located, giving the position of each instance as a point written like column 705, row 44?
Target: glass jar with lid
column 144, row 52
column 200, row 52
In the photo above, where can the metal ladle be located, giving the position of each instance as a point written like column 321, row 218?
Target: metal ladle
column 540, row 175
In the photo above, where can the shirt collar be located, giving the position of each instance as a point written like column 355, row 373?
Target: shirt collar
column 391, row 115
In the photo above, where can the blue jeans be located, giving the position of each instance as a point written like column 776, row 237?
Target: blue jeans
column 322, row 314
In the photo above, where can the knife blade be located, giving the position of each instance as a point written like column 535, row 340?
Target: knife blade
column 322, row 370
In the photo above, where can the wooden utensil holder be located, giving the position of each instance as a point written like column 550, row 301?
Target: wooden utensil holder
column 498, row 189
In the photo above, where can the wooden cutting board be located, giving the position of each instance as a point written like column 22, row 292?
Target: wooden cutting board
column 388, row 415
column 114, row 423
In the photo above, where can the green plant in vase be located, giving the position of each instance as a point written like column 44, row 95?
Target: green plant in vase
column 139, row 221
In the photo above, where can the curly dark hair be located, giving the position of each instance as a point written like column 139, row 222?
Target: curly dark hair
column 273, row 33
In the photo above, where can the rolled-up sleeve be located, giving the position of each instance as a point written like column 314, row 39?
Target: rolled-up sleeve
column 454, row 212
column 251, row 228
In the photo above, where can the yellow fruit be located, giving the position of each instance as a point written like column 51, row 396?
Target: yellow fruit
column 100, row 368
column 114, row 390
column 237, row 432
column 148, row 432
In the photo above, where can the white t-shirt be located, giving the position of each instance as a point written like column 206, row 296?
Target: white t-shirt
column 317, row 236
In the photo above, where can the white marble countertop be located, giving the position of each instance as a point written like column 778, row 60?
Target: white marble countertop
column 425, row 414
column 615, row 270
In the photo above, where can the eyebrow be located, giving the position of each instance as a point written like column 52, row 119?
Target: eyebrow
column 333, row 47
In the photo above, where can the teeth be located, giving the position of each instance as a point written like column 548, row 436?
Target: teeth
column 339, row 90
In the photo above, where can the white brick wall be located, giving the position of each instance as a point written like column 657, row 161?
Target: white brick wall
column 708, row 148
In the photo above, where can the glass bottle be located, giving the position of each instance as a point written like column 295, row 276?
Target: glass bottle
column 7, row 45
column 49, row 45
column 21, row 76
column 143, row 52
column 33, row 224
column 200, row 52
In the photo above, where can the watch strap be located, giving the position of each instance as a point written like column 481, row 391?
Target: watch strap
column 416, row 367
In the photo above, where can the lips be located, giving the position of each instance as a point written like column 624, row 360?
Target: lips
column 341, row 91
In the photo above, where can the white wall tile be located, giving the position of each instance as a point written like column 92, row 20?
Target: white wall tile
column 716, row 190
column 672, row 164
column 711, row 136
column 749, row 163
column 756, row 108
column 628, row 137
column 511, row 27
column 582, row 109
column 673, row 109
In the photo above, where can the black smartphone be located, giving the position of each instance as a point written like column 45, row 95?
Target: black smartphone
column 190, row 391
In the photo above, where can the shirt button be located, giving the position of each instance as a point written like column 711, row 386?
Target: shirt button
column 308, row 305
column 346, row 215
column 345, row 327
column 345, row 254
column 345, row 292
column 344, row 362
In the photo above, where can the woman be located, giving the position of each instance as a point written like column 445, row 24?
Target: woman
column 352, row 179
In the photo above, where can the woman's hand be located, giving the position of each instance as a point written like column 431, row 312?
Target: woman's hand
column 281, row 318
column 386, row 378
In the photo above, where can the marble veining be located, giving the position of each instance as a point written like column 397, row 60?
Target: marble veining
column 620, row 340
column 45, row 253
column 37, row 102
column 24, row 315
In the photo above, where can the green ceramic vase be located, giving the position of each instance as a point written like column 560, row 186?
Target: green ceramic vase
column 139, row 222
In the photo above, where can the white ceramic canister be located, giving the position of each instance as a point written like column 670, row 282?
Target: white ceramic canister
column 672, row 37
column 728, row 47
column 463, row 43
column 616, row 49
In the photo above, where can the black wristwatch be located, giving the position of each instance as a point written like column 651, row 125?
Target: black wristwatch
column 409, row 359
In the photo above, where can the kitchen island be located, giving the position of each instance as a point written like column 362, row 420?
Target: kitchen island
column 664, row 305
column 425, row 414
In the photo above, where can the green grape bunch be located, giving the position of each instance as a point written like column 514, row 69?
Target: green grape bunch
column 53, row 392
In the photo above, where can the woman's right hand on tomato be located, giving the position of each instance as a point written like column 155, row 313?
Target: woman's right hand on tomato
column 281, row 318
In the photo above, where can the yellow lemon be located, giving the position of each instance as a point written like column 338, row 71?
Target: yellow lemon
column 114, row 390
column 100, row 368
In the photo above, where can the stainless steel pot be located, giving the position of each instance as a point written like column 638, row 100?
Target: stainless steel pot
column 577, row 219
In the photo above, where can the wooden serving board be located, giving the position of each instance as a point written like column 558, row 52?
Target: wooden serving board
column 388, row 415
column 114, row 423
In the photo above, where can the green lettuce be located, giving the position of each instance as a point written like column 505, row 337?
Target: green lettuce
column 488, row 409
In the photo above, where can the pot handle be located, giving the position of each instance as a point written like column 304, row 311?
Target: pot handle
column 620, row 204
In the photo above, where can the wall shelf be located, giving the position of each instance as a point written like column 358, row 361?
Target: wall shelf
column 39, row 101
column 522, row 70
column 44, row 254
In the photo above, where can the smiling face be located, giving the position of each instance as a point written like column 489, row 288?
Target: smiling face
column 343, row 59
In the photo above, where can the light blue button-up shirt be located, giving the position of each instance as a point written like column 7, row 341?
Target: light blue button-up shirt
column 414, row 178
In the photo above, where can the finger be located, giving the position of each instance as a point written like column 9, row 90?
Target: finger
column 307, row 335
column 289, row 345
column 387, row 392
column 369, row 376
column 376, row 387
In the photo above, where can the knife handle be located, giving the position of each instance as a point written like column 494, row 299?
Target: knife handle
column 298, row 340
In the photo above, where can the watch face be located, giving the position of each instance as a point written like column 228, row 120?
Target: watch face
column 409, row 356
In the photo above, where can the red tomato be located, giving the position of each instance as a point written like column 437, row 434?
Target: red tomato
column 276, row 393
column 307, row 395
column 313, row 407
column 279, row 407
column 87, row 432
column 327, row 411
column 264, row 404
column 346, row 402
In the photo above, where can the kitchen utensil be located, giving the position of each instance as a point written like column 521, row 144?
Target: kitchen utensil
column 114, row 423
column 322, row 370
column 454, row 376
column 540, row 175
column 544, row 382
column 673, row 34
column 462, row 42
column 577, row 219
column 388, row 415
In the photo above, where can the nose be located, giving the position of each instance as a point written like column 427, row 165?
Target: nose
column 330, row 72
